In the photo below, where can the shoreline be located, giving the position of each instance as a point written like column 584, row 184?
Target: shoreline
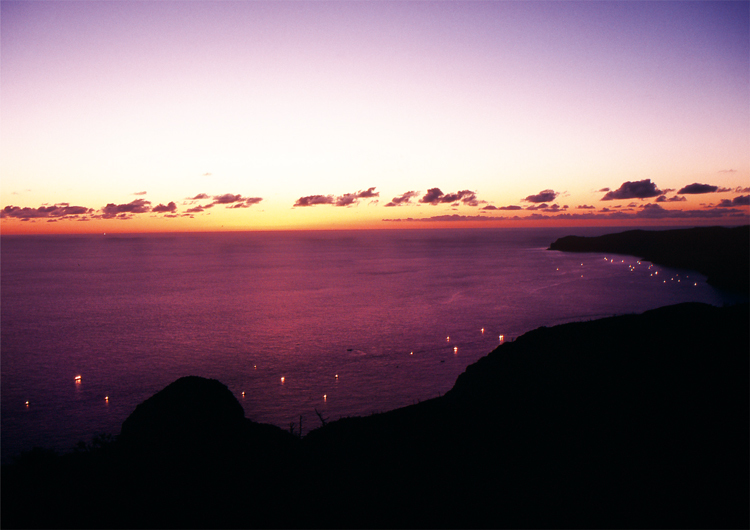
column 517, row 442
column 721, row 254
column 636, row 420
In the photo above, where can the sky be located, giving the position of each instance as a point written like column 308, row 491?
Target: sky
column 158, row 116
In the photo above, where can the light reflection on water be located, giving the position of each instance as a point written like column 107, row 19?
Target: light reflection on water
column 133, row 313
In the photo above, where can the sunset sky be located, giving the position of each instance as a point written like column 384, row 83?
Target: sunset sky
column 161, row 116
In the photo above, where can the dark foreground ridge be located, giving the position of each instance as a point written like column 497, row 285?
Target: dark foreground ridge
column 636, row 421
column 721, row 254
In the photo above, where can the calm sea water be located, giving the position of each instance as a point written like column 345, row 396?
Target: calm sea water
column 396, row 315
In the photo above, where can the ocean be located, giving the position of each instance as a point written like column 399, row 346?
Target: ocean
column 340, row 323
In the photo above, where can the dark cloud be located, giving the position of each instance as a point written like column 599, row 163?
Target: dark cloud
column 740, row 189
column 370, row 192
column 603, row 190
column 443, row 218
column 724, row 190
column 199, row 197
column 347, row 199
column 140, row 193
column 542, row 196
column 227, row 198
column 137, row 206
column 676, row 198
column 435, row 196
column 403, row 199
column 161, row 208
column 585, row 207
column 234, row 201
column 432, row 196
column 742, row 200
column 249, row 201
column 510, row 207
column 312, row 200
column 197, row 209
column 648, row 212
column 641, row 189
column 695, row 188
column 55, row 211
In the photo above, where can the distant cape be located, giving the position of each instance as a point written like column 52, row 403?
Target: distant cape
column 721, row 254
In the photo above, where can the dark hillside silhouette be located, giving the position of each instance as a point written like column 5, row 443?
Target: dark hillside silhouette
column 630, row 421
column 721, row 254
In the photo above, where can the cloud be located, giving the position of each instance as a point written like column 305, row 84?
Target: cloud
column 370, row 192
column 55, row 211
column 585, row 207
column 603, row 190
column 312, row 200
column 727, row 171
column 695, row 188
column 663, row 198
column 435, row 196
column 443, row 218
column 740, row 189
column 234, row 201
column 347, row 199
column 198, row 197
column 404, row 198
column 647, row 212
column 112, row 210
column 741, row 200
column 207, row 174
column 640, row 189
column 542, row 196
column 140, row 193
column 169, row 208
column 227, row 198
column 197, row 209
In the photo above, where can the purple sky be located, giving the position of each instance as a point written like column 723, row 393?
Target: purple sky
column 284, row 101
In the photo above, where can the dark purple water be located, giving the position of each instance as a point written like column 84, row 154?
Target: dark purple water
column 130, row 314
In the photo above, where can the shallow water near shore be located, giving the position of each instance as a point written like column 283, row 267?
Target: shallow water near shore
column 355, row 322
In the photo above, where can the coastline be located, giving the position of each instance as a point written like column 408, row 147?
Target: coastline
column 635, row 420
column 632, row 420
column 721, row 254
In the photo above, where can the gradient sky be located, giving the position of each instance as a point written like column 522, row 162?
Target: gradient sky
column 159, row 116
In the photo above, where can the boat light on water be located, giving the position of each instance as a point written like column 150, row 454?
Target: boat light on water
column 282, row 379
column 78, row 379
column 502, row 337
column 455, row 349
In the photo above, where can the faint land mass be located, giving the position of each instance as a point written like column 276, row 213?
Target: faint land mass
column 721, row 254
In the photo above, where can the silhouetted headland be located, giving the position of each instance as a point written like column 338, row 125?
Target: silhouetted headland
column 631, row 421
column 721, row 254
